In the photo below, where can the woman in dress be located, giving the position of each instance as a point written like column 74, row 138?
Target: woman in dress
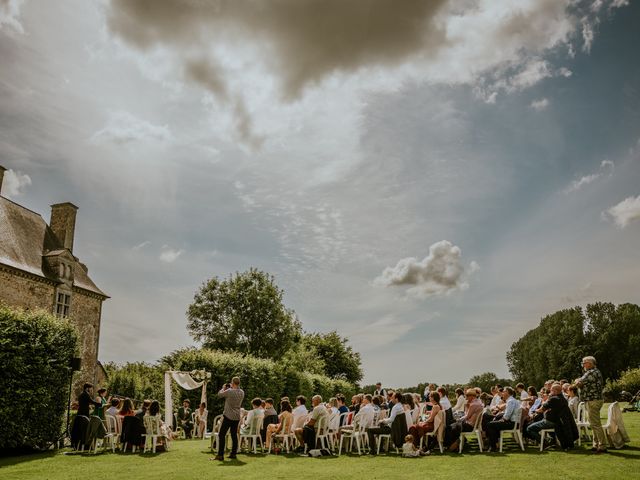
column 285, row 419
column 421, row 428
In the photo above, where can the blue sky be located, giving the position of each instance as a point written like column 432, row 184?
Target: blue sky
column 430, row 181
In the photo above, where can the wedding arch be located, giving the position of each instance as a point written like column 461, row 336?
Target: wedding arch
column 187, row 380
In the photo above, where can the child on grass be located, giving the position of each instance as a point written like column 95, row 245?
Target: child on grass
column 409, row 450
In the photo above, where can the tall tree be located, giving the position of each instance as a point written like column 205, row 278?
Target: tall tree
column 245, row 314
column 340, row 361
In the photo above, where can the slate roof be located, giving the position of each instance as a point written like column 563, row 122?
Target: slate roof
column 25, row 238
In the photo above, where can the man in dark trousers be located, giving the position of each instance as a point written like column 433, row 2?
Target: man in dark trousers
column 184, row 418
column 233, row 396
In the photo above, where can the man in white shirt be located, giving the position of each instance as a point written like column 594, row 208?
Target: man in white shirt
column 367, row 412
column 307, row 434
column 385, row 425
column 300, row 412
column 256, row 411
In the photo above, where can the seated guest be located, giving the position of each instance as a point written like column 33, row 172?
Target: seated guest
column 474, row 407
column 388, row 405
column 143, row 410
column 376, row 401
column 307, row 434
column 270, row 417
column 550, row 409
column 285, row 420
column 504, row 420
column 114, row 408
column 332, row 405
column 496, row 391
column 201, row 420
column 485, row 398
column 385, row 425
column 460, row 401
column 521, row 392
column 184, row 418
column 85, row 400
column 366, row 413
column 445, row 403
column 573, row 400
column 300, row 412
column 154, row 411
column 355, row 403
column 256, row 411
column 126, row 408
column 427, row 393
column 421, row 428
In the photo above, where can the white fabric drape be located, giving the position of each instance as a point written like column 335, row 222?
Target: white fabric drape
column 186, row 381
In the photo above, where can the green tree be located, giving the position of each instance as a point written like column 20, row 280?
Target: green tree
column 340, row 361
column 244, row 314
column 487, row 380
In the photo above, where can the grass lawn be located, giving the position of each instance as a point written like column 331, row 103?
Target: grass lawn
column 189, row 459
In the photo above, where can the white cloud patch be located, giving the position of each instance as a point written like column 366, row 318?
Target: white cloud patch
column 625, row 212
column 142, row 245
column 10, row 15
column 122, row 127
column 440, row 272
column 540, row 104
column 14, row 183
column 606, row 168
column 170, row 255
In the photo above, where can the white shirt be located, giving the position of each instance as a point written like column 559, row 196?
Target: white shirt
column 445, row 403
column 113, row 411
column 495, row 401
column 524, row 395
column 460, row 403
column 365, row 415
column 396, row 410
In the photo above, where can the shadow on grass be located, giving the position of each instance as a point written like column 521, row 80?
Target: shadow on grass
column 6, row 461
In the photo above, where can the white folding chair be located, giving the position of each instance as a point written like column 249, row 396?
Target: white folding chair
column 286, row 436
column 357, row 435
column 476, row 432
column 437, row 434
column 543, row 435
column 217, row 423
column 322, row 433
column 153, row 432
column 514, row 432
column 582, row 422
column 253, row 434
column 113, row 435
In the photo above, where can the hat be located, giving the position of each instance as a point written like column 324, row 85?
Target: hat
column 471, row 391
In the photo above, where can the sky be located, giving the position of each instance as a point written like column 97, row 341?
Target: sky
column 429, row 179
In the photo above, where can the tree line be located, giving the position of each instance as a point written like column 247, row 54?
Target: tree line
column 555, row 348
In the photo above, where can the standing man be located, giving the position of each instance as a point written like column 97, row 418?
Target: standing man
column 233, row 396
column 86, row 399
column 591, row 385
column 380, row 392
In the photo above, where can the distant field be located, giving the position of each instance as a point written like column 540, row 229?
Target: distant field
column 190, row 460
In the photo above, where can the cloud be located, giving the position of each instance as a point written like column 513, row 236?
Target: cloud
column 10, row 14
column 606, row 166
column 539, row 105
column 122, row 127
column 625, row 212
column 14, row 183
column 142, row 245
column 169, row 255
column 441, row 272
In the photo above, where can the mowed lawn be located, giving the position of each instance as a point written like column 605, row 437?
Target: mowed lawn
column 189, row 459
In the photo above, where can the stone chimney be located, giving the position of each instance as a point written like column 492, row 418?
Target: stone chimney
column 2, row 170
column 63, row 223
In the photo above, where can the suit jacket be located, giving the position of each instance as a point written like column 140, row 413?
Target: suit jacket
column 84, row 401
column 184, row 414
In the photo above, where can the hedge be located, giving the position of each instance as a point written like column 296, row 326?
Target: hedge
column 35, row 348
column 259, row 378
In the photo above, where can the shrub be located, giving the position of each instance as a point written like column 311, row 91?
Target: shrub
column 628, row 382
column 259, row 377
column 137, row 381
column 35, row 349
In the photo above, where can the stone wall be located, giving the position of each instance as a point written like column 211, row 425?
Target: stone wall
column 85, row 314
column 22, row 290
column 19, row 289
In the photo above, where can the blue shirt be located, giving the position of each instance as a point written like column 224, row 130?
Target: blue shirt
column 512, row 410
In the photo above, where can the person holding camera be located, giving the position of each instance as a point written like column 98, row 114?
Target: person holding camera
column 233, row 396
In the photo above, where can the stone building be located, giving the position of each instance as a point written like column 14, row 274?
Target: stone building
column 38, row 270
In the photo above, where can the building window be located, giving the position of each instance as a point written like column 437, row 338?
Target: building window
column 63, row 304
